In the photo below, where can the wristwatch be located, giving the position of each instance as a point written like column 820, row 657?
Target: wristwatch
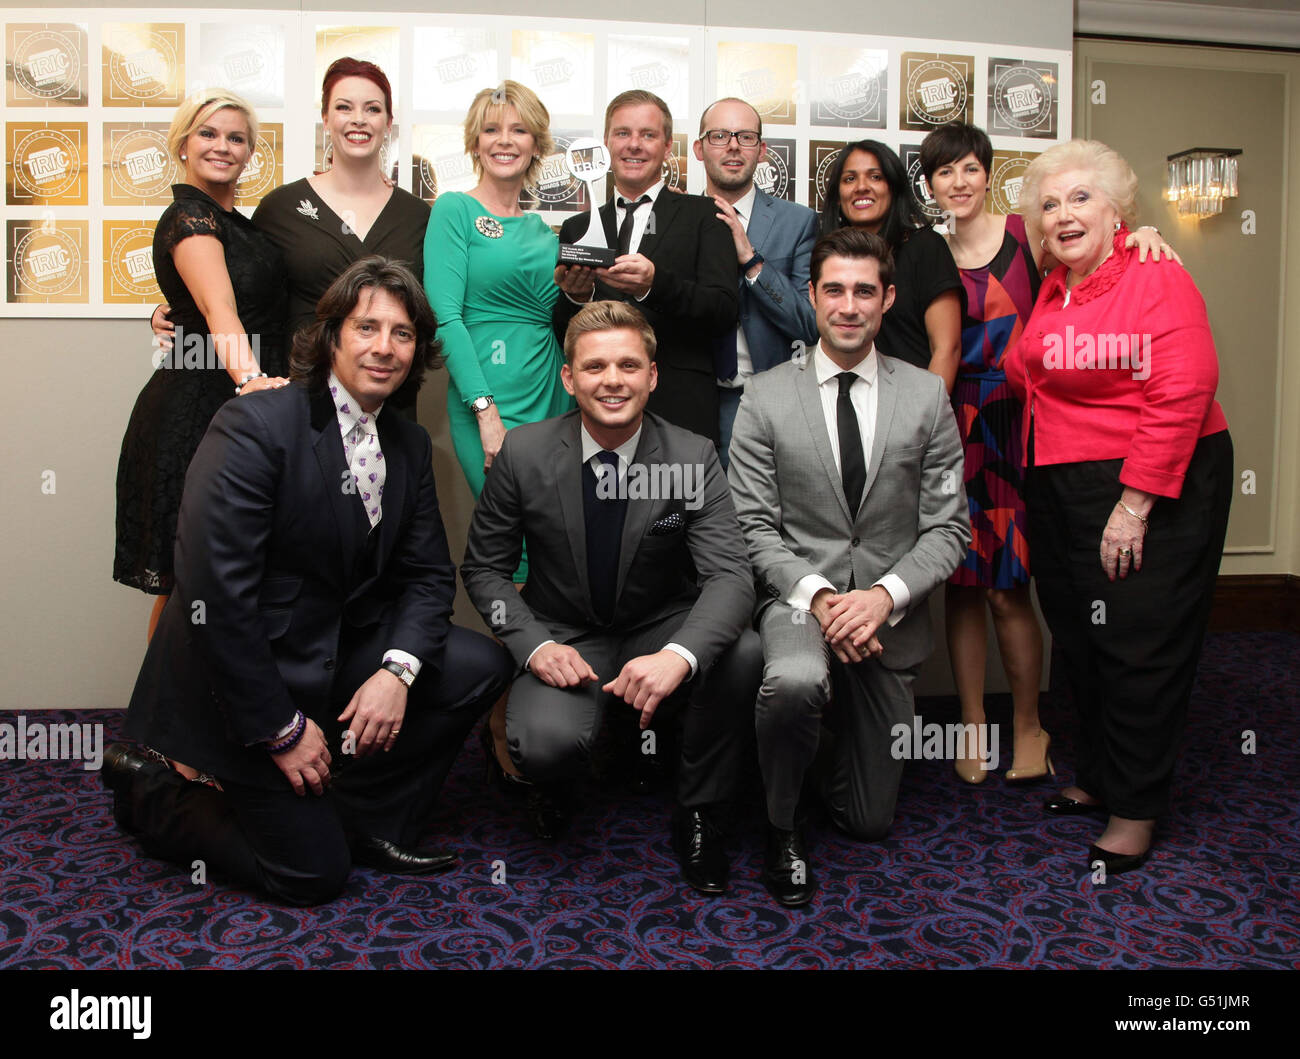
column 400, row 672
column 757, row 259
column 480, row 404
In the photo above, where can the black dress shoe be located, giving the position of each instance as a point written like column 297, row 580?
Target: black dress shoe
column 1060, row 805
column 1116, row 863
column 699, row 847
column 382, row 855
column 787, row 874
column 546, row 811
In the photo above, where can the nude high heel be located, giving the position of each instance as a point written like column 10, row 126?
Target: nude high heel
column 1032, row 775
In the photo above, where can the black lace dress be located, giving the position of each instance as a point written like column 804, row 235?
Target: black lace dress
column 189, row 385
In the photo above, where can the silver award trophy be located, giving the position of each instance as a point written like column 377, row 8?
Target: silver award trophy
column 587, row 159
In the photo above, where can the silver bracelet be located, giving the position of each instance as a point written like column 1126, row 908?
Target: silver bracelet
column 249, row 378
column 1140, row 518
column 1149, row 228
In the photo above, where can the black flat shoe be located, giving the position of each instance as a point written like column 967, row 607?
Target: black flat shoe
column 1116, row 863
column 699, row 847
column 1060, row 805
column 382, row 855
column 787, row 873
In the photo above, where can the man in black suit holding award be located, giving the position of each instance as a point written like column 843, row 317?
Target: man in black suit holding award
column 306, row 658
column 639, row 589
column 676, row 262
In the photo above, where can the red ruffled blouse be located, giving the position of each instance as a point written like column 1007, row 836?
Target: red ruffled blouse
column 1126, row 369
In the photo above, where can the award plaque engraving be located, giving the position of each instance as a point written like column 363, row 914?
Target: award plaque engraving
column 587, row 159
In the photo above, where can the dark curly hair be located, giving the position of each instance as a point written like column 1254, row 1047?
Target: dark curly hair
column 313, row 346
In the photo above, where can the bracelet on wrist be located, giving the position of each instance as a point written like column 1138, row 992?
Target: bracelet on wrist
column 1141, row 518
column 247, row 379
column 288, row 742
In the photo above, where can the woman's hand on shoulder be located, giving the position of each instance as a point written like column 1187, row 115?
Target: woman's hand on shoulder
column 1149, row 241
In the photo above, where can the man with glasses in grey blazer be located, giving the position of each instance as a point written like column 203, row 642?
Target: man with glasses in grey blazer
column 846, row 470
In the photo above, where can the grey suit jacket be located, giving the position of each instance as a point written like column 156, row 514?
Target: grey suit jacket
column 774, row 310
column 676, row 549
column 912, row 521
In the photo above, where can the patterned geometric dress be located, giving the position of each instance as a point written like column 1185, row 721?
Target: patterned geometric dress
column 999, row 299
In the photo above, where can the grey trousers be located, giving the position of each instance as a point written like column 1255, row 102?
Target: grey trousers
column 550, row 731
column 860, row 784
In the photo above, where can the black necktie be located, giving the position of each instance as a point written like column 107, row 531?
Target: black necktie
column 625, row 229
column 605, row 511
column 853, row 469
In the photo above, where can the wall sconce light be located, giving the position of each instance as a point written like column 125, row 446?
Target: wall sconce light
column 1201, row 178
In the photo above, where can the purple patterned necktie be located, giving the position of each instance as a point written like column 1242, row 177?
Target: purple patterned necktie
column 366, row 461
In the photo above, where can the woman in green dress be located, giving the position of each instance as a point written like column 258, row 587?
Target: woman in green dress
column 488, row 268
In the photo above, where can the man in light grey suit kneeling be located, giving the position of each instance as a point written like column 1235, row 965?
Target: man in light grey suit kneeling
column 846, row 470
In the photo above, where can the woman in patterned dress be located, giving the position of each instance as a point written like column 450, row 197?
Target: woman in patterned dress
column 1001, row 262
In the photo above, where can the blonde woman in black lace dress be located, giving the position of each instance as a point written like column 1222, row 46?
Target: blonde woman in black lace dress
column 225, row 282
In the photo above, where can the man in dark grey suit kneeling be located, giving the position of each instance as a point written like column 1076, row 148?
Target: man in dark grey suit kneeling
column 639, row 588
column 847, row 472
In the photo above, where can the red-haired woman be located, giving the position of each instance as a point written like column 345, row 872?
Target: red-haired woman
column 325, row 222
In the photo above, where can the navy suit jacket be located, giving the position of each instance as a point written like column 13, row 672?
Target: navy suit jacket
column 774, row 310
column 274, row 572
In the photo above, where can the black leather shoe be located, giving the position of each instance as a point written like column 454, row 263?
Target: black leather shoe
column 1060, row 805
column 787, row 873
column 698, row 844
column 546, row 812
column 1116, row 863
column 382, row 855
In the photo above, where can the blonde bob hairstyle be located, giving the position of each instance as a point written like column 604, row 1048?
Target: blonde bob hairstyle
column 1112, row 177
column 196, row 110
column 488, row 106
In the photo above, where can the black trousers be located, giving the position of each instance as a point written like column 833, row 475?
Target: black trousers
column 550, row 731
column 1130, row 646
column 296, row 848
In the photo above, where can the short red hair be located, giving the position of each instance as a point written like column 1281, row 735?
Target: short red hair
column 350, row 67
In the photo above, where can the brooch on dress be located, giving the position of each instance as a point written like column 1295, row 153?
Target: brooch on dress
column 489, row 226
column 307, row 209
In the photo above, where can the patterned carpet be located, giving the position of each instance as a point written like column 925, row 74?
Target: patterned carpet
column 970, row 877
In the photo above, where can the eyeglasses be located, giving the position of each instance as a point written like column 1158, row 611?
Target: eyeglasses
column 722, row 137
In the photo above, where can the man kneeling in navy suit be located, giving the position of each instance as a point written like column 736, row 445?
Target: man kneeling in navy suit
column 305, row 659
column 639, row 589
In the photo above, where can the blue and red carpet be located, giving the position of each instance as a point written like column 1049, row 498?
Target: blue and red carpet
column 969, row 877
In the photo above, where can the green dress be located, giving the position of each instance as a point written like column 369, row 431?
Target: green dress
column 491, row 282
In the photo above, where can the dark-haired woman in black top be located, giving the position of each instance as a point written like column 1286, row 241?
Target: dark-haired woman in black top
column 868, row 188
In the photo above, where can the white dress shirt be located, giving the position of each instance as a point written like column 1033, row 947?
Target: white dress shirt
column 640, row 217
column 591, row 449
column 864, row 394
